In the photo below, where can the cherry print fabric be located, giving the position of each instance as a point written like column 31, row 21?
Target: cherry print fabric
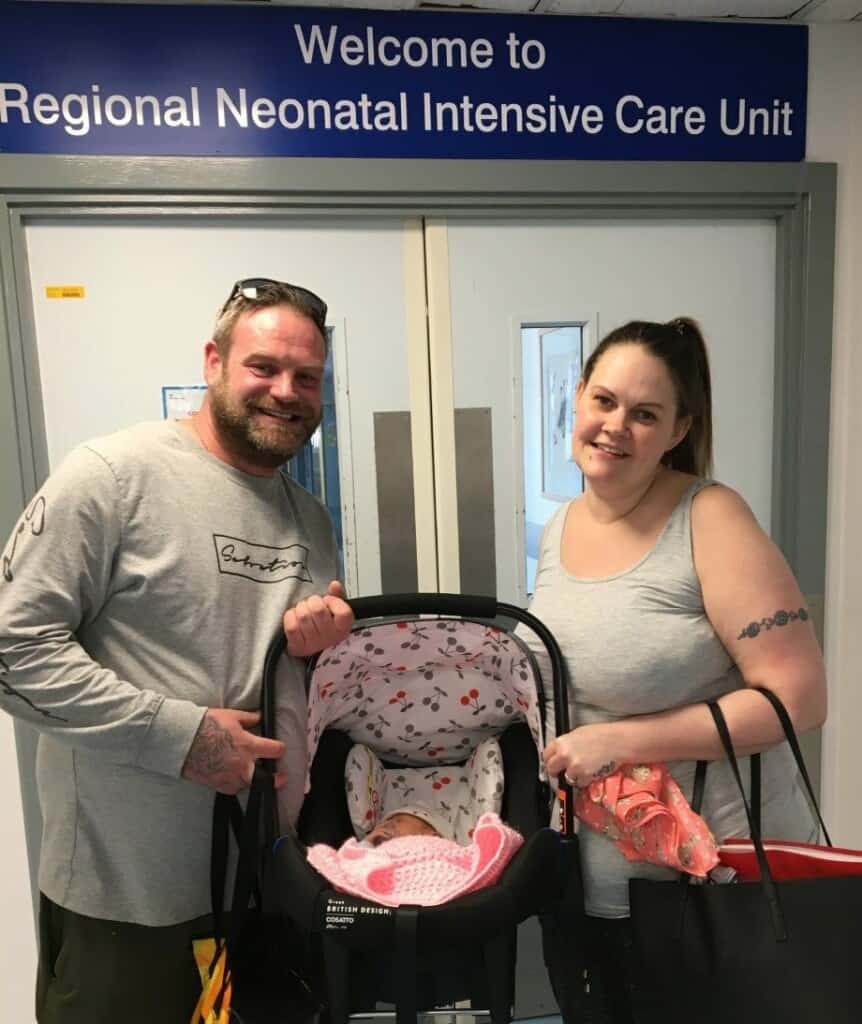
column 450, row 798
column 423, row 692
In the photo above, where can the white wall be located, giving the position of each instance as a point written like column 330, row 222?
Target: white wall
column 835, row 134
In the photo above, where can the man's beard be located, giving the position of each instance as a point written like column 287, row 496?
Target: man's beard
column 261, row 440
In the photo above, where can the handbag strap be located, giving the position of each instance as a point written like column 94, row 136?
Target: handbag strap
column 218, row 860
column 697, row 792
column 755, row 789
column 685, row 878
column 227, row 818
column 793, row 742
column 255, row 831
column 249, row 828
column 223, row 814
column 767, row 882
column 699, row 786
column 755, row 767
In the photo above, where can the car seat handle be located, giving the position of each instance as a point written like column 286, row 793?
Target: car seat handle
column 460, row 605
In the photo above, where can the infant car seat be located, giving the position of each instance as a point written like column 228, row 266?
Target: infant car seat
column 372, row 688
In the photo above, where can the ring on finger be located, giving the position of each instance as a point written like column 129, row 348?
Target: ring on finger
column 569, row 779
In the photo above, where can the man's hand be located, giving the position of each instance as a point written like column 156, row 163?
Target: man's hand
column 318, row 622
column 223, row 752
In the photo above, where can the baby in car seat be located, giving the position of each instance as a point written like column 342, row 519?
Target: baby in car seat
column 422, row 835
column 409, row 821
column 448, row 799
column 404, row 859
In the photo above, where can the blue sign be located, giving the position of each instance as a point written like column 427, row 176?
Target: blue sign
column 280, row 81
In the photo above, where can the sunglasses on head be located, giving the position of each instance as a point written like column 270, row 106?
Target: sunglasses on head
column 249, row 288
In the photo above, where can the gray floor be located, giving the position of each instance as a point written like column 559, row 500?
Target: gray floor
column 533, row 998
column 385, row 1014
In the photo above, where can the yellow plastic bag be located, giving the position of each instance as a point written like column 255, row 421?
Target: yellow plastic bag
column 214, row 1004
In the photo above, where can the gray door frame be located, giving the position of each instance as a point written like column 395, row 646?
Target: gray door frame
column 800, row 198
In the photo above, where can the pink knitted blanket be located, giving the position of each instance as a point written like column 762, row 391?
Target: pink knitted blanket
column 421, row 870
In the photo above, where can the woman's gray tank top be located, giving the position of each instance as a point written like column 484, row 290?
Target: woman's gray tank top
column 639, row 642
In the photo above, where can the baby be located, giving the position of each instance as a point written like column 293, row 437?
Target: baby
column 424, row 867
column 406, row 821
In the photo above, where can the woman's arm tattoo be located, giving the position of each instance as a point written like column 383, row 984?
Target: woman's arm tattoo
column 779, row 618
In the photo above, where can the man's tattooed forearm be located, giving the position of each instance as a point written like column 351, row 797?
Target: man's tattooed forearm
column 780, row 618
column 211, row 749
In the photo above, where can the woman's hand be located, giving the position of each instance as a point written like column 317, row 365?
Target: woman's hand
column 583, row 755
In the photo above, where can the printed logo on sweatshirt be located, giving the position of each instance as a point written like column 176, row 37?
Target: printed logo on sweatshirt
column 260, row 562
column 32, row 523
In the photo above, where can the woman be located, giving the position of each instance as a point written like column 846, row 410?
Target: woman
column 663, row 592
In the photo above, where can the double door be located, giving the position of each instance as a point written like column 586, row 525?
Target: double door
column 455, row 346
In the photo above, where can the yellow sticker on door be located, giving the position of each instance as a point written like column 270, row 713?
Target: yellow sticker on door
column 64, row 291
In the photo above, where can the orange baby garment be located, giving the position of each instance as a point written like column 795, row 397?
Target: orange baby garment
column 642, row 809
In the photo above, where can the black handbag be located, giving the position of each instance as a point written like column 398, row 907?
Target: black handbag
column 746, row 952
column 269, row 961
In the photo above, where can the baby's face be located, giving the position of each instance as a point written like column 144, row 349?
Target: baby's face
column 398, row 825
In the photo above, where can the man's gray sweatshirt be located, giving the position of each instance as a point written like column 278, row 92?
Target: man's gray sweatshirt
column 142, row 585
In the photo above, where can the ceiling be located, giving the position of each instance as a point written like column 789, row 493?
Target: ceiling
column 784, row 10
column 771, row 10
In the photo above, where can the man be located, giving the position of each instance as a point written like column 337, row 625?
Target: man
column 139, row 594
